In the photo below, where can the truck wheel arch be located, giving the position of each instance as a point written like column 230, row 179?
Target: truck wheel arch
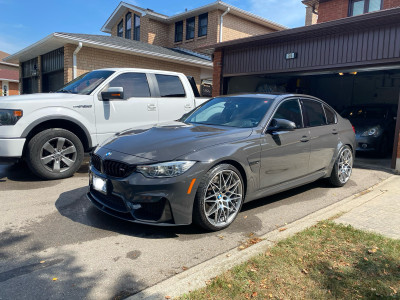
column 63, row 122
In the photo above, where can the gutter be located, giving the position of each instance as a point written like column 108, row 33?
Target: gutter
column 74, row 68
column 221, row 23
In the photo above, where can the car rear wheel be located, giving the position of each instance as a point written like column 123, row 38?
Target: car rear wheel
column 54, row 154
column 219, row 198
column 343, row 167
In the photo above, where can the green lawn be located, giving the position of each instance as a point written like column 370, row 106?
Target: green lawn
column 326, row 261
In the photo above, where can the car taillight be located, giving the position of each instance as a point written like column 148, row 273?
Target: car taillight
column 353, row 129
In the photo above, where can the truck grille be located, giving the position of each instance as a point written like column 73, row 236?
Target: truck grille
column 111, row 167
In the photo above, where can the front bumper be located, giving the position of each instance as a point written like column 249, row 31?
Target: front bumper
column 367, row 143
column 11, row 147
column 160, row 201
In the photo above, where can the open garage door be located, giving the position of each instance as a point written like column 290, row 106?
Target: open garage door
column 368, row 98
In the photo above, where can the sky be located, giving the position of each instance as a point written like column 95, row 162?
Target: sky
column 24, row 22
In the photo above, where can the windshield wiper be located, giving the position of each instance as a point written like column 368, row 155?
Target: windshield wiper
column 65, row 91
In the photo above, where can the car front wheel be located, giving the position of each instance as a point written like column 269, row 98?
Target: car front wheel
column 54, row 154
column 219, row 198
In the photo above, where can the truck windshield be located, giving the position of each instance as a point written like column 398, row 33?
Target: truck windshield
column 86, row 83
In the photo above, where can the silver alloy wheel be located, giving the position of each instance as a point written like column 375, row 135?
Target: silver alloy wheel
column 223, row 198
column 58, row 154
column 345, row 165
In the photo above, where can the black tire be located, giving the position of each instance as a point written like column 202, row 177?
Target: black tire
column 335, row 179
column 36, row 154
column 199, row 215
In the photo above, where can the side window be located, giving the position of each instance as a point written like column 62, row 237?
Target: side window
column 120, row 29
column 134, row 84
column 314, row 114
column 290, row 110
column 330, row 115
column 170, row 86
column 190, row 25
column 128, row 25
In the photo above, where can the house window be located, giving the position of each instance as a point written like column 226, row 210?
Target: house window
column 136, row 34
column 120, row 29
column 190, row 28
column 359, row 7
column 203, row 24
column 178, row 31
column 128, row 25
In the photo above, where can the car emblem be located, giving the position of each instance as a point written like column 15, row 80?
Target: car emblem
column 108, row 154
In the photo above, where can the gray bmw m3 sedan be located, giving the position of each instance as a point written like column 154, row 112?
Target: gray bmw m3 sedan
column 228, row 151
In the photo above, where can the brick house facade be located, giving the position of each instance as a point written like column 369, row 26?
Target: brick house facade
column 319, row 11
column 9, row 77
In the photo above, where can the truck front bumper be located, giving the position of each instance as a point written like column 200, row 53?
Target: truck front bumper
column 11, row 148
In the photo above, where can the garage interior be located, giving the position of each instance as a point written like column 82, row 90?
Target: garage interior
column 340, row 89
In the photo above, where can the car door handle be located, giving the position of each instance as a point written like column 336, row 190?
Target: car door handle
column 334, row 131
column 304, row 139
column 188, row 105
column 151, row 107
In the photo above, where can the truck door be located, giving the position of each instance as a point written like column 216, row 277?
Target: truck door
column 136, row 109
column 173, row 101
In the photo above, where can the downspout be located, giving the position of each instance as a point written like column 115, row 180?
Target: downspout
column 74, row 63
column 221, row 23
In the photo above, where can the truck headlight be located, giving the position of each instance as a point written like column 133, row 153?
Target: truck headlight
column 10, row 116
column 166, row 169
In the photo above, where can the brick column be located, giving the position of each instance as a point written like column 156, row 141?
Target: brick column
column 68, row 53
column 20, row 78
column 217, row 74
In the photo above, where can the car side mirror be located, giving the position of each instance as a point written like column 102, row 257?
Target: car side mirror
column 281, row 125
column 113, row 93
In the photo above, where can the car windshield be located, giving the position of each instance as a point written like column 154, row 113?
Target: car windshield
column 360, row 112
column 242, row 112
column 86, row 83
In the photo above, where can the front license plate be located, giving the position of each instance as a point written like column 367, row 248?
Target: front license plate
column 99, row 184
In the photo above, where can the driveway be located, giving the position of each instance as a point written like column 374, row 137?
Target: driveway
column 54, row 244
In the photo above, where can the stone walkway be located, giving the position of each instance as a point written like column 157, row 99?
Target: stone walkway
column 381, row 214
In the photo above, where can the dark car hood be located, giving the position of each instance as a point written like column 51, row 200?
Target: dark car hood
column 362, row 125
column 168, row 141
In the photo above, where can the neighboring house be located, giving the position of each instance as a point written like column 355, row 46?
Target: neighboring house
column 139, row 38
column 9, row 77
column 318, row 11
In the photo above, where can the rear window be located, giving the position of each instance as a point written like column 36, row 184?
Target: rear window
column 170, row 86
column 314, row 113
column 330, row 115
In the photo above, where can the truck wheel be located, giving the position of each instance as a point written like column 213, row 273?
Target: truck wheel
column 219, row 198
column 54, row 154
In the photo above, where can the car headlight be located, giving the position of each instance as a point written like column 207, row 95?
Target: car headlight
column 10, row 116
column 374, row 131
column 166, row 169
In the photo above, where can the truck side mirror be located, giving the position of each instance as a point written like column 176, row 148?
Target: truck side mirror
column 113, row 93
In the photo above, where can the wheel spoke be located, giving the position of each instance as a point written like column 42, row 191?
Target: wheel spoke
column 56, row 166
column 60, row 143
column 69, row 150
column 212, row 210
column 47, row 159
column 49, row 148
column 67, row 161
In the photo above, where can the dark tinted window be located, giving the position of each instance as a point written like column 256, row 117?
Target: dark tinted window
column 136, row 30
column 240, row 112
column 120, row 29
column 190, row 28
column 290, row 110
column 314, row 114
column 203, row 24
column 330, row 115
column 179, row 31
column 134, row 84
column 128, row 25
column 170, row 86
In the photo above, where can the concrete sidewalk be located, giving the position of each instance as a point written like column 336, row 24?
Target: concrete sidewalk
column 376, row 209
column 380, row 214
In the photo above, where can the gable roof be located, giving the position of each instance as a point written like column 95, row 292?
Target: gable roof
column 3, row 55
column 113, row 43
column 123, row 6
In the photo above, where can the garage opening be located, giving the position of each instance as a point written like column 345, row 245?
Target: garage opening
column 53, row 70
column 30, row 73
column 369, row 98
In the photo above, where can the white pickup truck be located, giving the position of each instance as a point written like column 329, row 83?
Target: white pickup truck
column 52, row 131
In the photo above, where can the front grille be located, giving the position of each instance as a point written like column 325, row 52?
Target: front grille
column 96, row 162
column 111, row 167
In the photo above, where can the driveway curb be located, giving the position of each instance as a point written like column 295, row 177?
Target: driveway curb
column 197, row 276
